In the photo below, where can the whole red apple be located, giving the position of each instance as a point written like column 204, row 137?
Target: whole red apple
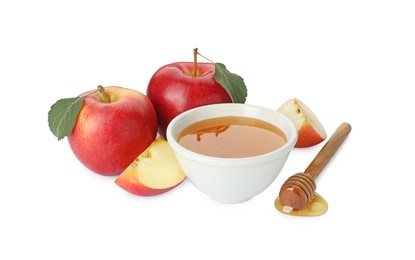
column 176, row 87
column 113, row 127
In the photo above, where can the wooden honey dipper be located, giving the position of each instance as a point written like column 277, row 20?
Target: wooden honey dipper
column 298, row 190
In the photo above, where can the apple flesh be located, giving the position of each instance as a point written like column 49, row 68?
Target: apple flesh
column 153, row 172
column 174, row 89
column 310, row 130
column 112, row 128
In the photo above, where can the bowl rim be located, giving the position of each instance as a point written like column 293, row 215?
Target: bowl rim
column 201, row 158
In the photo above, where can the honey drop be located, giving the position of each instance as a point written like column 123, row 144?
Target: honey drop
column 317, row 207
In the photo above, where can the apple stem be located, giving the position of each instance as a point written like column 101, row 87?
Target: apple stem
column 195, row 62
column 104, row 95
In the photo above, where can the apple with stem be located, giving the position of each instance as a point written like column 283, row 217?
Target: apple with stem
column 113, row 127
column 153, row 172
column 310, row 130
column 180, row 86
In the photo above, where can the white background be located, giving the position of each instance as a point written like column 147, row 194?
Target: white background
column 348, row 61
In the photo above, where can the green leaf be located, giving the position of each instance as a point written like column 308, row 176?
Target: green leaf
column 62, row 116
column 232, row 83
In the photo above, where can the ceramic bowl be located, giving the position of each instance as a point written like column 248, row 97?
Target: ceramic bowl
column 231, row 180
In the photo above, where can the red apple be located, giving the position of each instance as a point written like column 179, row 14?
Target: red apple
column 153, row 172
column 113, row 127
column 310, row 130
column 174, row 89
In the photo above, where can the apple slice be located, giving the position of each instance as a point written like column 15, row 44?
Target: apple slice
column 153, row 172
column 310, row 130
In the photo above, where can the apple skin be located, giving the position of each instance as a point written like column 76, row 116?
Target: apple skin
column 130, row 182
column 107, row 137
column 308, row 136
column 173, row 89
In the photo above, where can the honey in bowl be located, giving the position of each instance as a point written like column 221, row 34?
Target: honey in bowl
column 232, row 137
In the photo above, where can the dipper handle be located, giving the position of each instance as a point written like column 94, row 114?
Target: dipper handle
column 328, row 150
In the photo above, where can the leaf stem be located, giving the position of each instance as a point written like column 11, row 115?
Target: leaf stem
column 204, row 57
column 103, row 94
column 195, row 62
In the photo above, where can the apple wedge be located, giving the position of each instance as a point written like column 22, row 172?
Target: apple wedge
column 153, row 172
column 310, row 130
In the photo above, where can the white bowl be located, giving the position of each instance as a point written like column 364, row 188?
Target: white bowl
column 231, row 180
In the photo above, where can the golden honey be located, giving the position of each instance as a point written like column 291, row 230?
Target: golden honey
column 232, row 137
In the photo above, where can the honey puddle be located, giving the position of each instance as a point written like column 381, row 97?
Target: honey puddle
column 317, row 207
